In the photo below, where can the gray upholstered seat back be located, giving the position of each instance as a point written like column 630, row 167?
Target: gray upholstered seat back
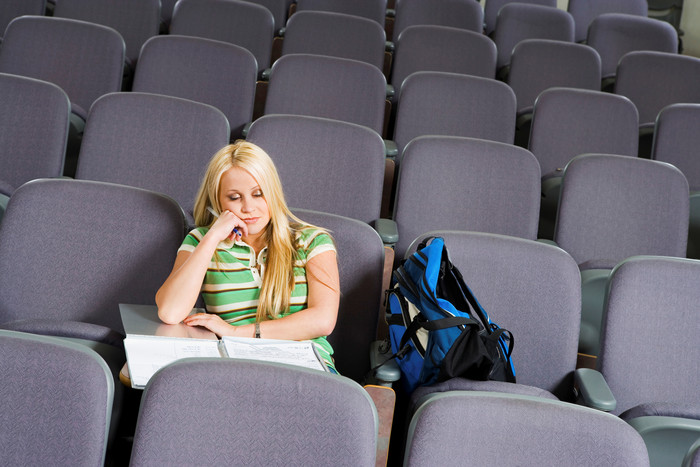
column 151, row 141
column 529, row 431
column 72, row 250
column 452, row 183
column 346, row 160
column 192, row 67
column 290, row 415
column 328, row 87
column 336, row 35
column 57, row 402
column 613, row 207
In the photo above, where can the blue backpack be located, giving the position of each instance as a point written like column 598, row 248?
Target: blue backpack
column 438, row 330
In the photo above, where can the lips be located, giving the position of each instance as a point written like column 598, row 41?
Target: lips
column 251, row 220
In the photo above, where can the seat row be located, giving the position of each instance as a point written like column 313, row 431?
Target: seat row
column 286, row 405
column 74, row 283
column 445, row 182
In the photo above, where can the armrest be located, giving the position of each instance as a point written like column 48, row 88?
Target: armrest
column 379, row 354
column 548, row 242
column 390, row 12
column 387, row 230
column 265, row 74
column 246, row 129
column 390, row 91
column 391, row 150
column 389, row 46
column 593, row 390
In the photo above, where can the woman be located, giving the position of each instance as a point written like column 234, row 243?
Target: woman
column 259, row 274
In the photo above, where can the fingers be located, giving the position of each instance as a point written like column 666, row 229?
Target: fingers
column 233, row 226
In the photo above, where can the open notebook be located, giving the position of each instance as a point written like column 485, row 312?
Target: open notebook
column 150, row 345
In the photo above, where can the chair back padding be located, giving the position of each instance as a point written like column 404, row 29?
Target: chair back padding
column 151, row 141
column 641, row 365
column 290, row 415
column 612, row 207
column 72, row 250
column 346, row 160
column 246, row 24
column 452, row 183
column 335, row 34
column 328, row 87
column 492, row 7
column 452, row 104
column 539, row 64
column 519, row 21
column 442, row 48
column 33, row 129
column 135, row 20
column 371, row 9
column 192, row 67
column 676, row 140
column 84, row 59
column 615, row 34
column 527, row 431
column 585, row 11
column 463, row 14
column 653, row 80
column 568, row 122
column 57, row 402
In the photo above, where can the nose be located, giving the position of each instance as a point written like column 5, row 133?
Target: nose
column 246, row 205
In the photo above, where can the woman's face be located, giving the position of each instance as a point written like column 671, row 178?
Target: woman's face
column 241, row 194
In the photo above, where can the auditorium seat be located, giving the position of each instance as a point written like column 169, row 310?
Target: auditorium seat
column 519, row 21
column 11, row 9
column 135, row 20
column 246, row 24
column 539, row 64
column 84, row 59
column 279, row 10
column 192, row 68
column 676, row 141
column 336, row 35
column 612, row 207
column 57, row 402
column 346, row 160
column 518, row 281
column 290, row 415
column 152, row 141
column 653, row 378
column 567, row 122
column 455, row 183
column 492, row 7
column 442, row 48
column 463, row 14
column 328, row 87
column 438, row 103
column 101, row 245
column 33, row 132
column 653, row 80
column 370, row 9
column 464, row 428
column 585, row 11
column 615, row 34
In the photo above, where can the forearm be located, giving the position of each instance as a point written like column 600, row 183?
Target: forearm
column 178, row 294
column 303, row 325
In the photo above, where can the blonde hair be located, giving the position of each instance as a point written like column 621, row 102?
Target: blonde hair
column 279, row 235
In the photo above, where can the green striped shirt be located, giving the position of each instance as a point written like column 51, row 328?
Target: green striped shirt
column 231, row 286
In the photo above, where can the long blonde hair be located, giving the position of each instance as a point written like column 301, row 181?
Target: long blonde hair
column 278, row 283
